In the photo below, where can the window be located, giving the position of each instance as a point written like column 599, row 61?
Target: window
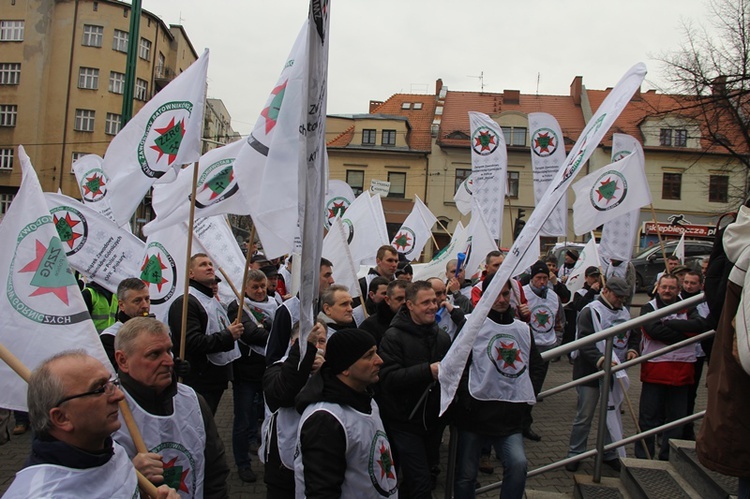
column 84, row 120
column 461, row 175
column 671, row 186
column 513, row 183
column 120, row 42
column 141, row 89
column 11, row 31
column 514, row 135
column 417, row 106
column 389, row 138
column 718, row 189
column 680, row 138
column 5, row 199
column 88, row 78
column 144, row 49
column 398, row 184
column 10, row 73
column 665, row 137
column 92, row 35
column 75, row 157
column 96, row 6
column 8, row 114
column 356, row 180
column 116, row 82
column 160, row 65
column 368, row 137
column 406, row 105
column 6, row 158
column 112, row 124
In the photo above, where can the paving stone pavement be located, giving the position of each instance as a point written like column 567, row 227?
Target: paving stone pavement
column 552, row 420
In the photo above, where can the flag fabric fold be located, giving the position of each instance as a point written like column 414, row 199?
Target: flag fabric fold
column 479, row 242
column 163, row 136
column 94, row 185
column 336, row 249
column 489, row 169
column 416, row 230
column 362, row 222
column 588, row 257
column 436, row 266
column 463, row 196
column 454, row 362
column 609, row 192
column 547, row 156
column 679, row 250
column 163, row 264
column 42, row 311
column 338, row 198
column 213, row 236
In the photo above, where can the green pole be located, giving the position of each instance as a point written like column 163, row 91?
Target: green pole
column 132, row 58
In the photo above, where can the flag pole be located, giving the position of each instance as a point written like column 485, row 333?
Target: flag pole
column 632, row 415
column 510, row 216
column 188, row 250
column 598, row 262
column 234, row 290
column 248, row 257
column 658, row 234
column 25, row 373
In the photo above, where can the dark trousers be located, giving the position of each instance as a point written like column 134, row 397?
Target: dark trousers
column 417, row 455
column 661, row 404
column 690, row 427
column 245, row 424
column 212, row 396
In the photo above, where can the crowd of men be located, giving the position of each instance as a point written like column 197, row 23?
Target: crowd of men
column 356, row 414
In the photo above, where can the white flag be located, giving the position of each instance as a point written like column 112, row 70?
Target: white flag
column 463, row 196
column 94, row 245
column 42, row 311
column 363, row 235
column 588, row 257
column 338, row 198
column 94, row 185
column 611, row 191
column 547, row 156
column 489, row 169
column 619, row 235
column 436, row 267
column 216, row 191
column 415, row 231
column 679, row 250
column 213, row 236
column 336, row 249
column 163, row 136
column 163, row 267
column 480, row 242
column 377, row 209
column 452, row 365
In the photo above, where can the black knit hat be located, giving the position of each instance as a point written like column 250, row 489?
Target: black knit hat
column 539, row 267
column 345, row 347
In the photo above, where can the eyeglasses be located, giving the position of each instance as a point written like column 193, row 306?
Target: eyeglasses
column 107, row 388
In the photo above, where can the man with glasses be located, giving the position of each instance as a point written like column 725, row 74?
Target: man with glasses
column 178, row 428
column 73, row 408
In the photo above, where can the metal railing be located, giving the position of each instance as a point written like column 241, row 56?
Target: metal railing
column 606, row 371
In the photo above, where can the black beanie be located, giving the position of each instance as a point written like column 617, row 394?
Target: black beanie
column 345, row 347
column 539, row 267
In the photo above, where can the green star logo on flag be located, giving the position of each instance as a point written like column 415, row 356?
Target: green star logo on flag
column 51, row 271
column 219, row 182
column 484, row 140
column 544, row 142
column 508, row 354
column 169, row 140
column 93, row 186
column 402, row 240
column 271, row 113
column 608, row 189
column 175, row 477
column 65, row 230
column 151, row 271
column 385, row 462
column 336, row 209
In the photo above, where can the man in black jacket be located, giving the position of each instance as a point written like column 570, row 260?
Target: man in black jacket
column 175, row 422
column 210, row 340
column 494, row 397
column 385, row 311
column 409, row 394
column 343, row 448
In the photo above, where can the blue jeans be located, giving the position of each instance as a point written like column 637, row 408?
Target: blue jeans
column 512, row 456
column 661, row 404
column 245, row 425
column 588, row 398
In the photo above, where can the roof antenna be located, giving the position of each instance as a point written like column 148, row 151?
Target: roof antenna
column 538, row 77
column 481, row 80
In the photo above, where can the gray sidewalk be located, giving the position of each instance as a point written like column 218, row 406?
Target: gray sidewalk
column 552, row 420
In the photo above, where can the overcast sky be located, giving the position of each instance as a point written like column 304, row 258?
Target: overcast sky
column 382, row 47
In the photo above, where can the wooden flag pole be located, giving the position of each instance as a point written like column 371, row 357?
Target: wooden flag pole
column 658, row 234
column 25, row 373
column 248, row 257
column 188, row 251
column 632, row 415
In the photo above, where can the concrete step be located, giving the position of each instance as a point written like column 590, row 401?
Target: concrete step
column 608, row 488
column 709, row 484
column 644, row 479
column 543, row 494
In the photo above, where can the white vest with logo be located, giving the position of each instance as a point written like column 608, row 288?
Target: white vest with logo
column 648, row 345
column 605, row 318
column 287, row 420
column 115, row 479
column 180, row 439
column 370, row 471
column 446, row 323
column 260, row 310
column 499, row 368
column 543, row 316
column 217, row 321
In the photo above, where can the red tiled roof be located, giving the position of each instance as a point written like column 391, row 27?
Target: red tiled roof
column 458, row 104
column 343, row 139
column 420, row 120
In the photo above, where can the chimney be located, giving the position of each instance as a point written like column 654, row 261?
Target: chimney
column 511, row 96
column 438, row 86
column 576, row 89
column 374, row 104
column 719, row 85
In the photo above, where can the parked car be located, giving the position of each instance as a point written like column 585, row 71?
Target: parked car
column 559, row 250
column 649, row 262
